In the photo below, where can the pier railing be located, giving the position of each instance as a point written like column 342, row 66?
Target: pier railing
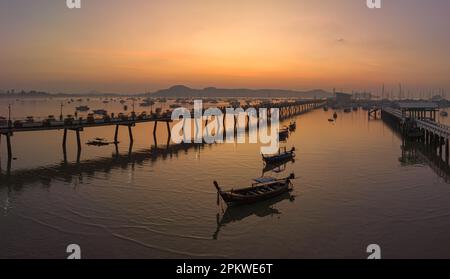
column 434, row 127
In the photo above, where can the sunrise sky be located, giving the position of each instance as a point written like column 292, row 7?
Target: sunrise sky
column 144, row 45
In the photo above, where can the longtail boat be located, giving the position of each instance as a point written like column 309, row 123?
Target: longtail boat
column 98, row 142
column 262, row 189
column 283, row 134
column 292, row 126
column 282, row 156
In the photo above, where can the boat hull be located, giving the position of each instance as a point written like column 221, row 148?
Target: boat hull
column 279, row 158
column 234, row 199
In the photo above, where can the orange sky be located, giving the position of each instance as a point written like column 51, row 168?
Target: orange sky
column 144, row 45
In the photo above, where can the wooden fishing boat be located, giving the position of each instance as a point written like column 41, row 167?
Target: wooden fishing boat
column 292, row 126
column 98, row 142
column 282, row 156
column 283, row 134
column 262, row 189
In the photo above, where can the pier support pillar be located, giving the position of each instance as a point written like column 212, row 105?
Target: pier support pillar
column 447, row 150
column 154, row 128
column 8, row 144
column 169, row 133
column 224, row 123
column 78, row 139
column 116, row 134
column 436, row 143
column 130, row 132
column 64, row 139
column 247, row 122
column 431, row 138
column 77, row 131
column 79, row 154
column 116, row 147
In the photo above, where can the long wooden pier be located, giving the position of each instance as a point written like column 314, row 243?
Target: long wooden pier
column 286, row 109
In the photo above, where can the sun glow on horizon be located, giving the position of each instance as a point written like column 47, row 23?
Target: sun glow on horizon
column 146, row 45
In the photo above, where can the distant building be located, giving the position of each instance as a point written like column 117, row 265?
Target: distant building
column 362, row 96
column 437, row 98
column 343, row 98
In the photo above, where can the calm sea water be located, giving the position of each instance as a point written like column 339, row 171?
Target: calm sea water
column 353, row 188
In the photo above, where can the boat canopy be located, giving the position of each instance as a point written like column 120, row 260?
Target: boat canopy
column 264, row 179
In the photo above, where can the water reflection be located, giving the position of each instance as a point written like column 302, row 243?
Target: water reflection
column 66, row 171
column 277, row 167
column 167, row 210
column 261, row 209
column 415, row 153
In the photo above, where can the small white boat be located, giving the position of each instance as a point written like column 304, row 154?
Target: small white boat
column 100, row 112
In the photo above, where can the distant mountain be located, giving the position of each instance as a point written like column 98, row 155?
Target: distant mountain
column 180, row 91
column 42, row 94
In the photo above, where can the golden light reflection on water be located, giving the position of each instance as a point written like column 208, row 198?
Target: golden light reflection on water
column 351, row 190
